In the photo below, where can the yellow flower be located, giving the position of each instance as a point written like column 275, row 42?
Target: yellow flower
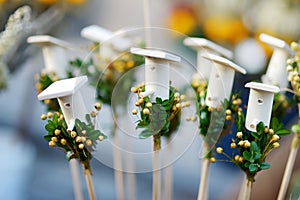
column 2, row 1
column 183, row 20
column 47, row 2
column 225, row 29
column 78, row 2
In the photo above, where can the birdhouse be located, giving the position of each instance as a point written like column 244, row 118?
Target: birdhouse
column 203, row 46
column 276, row 73
column 71, row 102
column 111, row 43
column 54, row 53
column 157, row 71
column 221, row 79
column 259, row 104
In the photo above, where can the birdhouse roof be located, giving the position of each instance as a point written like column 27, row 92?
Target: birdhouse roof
column 99, row 34
column 155, row 54
column 225, row 62
column 202, row 43
column 62, row 88
column 276, row 43
column 47, row 40
column 262, row 87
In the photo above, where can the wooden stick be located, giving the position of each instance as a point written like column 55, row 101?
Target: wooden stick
column 89, row 182
column 147, row 22
column 243, row 188
column 117, row 159
column 131, row 182
column 248, row 188
column 289, row 168
column 73, row 164
column 156, row 184
column 203, row 188
column 168, row 178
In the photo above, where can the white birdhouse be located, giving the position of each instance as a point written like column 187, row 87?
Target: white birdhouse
column 70, row 100
column 54, row 53
column 221, row 79
column 276, row 73
column 203, row 46
column 157, row 71
column 260, row 104
column 111, row 42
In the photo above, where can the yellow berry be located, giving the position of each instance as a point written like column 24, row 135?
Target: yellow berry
column 241, row 159
column 83, row 132
column 63, row 141
column 83, row 139
column 241, row 143
column 193, row 118
column 266, row 130
column 43, row 117
column 276, row 145
column 73, row 134
column 247, row 144
column 149, row 104
column 98, row 106
column 236, row 158
column 239, row 135
column 178, row 105
column 228, row 117
column 93, row 114
column 146, row 111
column 51, row 144
column 275, row 138
column 89, row 142
column 233, row 145
column 101, row 137
column 78, row 139
column 271, row 131
column 49, row 114
column 57, row 132
column 141, row 101
column 81, row 146
column 228, row 112
column 188, row 118
column 134, row 89
column 54, row 139
column 134, row 111
column 219, row 150
column 137, row 103
column 212, row 159
column 182, row 97
column 176, row 95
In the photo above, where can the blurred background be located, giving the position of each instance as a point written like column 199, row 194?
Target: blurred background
column 31, row 170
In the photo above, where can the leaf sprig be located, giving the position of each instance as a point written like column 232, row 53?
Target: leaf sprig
column 78, row 143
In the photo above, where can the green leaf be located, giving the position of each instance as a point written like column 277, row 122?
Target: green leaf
column 253, row 168
column 247, row 155
column 50, row 127
column 256, row 156
column 94, row 134
column 264, row 166
column 283, row 132
column 254, row 147
column 145, row 134
column 158, row 100
column 48, row 137
column 260, row 128
column 255, row 135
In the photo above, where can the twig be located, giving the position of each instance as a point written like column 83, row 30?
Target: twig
column 248, row 188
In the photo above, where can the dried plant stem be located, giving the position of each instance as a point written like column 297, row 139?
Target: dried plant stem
column 203, row 187
column 168, row 178
column 248, row 188
column 74, row 168
column 89, row 182
column 117, row 159
column 156, row 184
